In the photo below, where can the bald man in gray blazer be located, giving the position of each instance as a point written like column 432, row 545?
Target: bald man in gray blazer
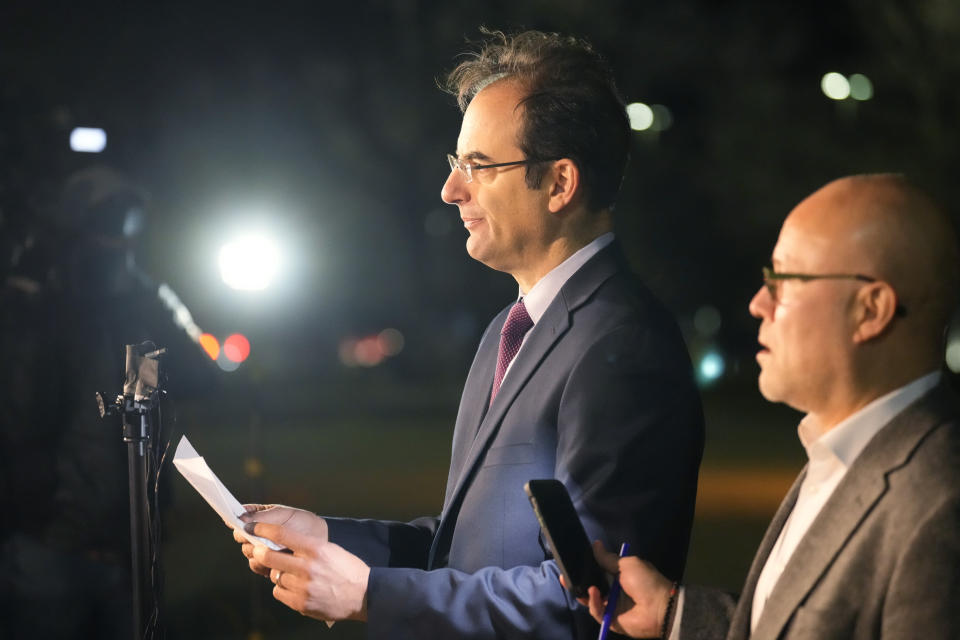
column 867, row 542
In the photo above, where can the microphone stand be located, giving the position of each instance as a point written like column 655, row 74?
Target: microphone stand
column 136, row 405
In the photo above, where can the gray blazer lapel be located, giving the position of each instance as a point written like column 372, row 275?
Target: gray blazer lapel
column 740, row 623
column 860, row 490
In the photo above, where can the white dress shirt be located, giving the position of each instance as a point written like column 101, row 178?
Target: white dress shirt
column 546, row 289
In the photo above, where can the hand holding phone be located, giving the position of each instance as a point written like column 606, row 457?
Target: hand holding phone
column 565, row 534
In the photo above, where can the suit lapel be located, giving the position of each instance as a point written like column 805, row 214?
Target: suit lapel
column 474, row 402
column 740, row 623
column 475, row 440
column 854, row 498
column 542, row 337
column 831, row 529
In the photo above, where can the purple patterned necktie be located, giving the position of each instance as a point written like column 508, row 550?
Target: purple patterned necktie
column 511, row 337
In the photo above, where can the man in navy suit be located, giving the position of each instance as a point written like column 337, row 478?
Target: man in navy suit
column 585, row 378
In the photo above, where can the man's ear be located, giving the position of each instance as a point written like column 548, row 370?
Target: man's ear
column 564, row 177
column 876, row 307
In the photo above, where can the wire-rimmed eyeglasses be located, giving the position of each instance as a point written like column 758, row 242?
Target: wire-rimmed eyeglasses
column 467, row 168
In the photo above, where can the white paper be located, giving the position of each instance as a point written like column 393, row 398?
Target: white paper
column 194, row 468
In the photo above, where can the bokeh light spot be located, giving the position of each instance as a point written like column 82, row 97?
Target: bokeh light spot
column 706, row 320
column 253, row 467
column 88, row 140
column 662, row 118
column 236, row 347
column 711, row 367
column 835, row 86
column 371, row 350
column 226, row 364
column 860, row 87
column 367, row 352
column 391, row 342
column 346, row 352
column 640, row 115
column 210, row 344
column 953, row 355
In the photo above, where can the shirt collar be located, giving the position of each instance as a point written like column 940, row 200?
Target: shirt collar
column 542, row 294
column 846, row 440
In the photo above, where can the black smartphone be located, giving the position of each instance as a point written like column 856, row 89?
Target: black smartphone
column 564, row 533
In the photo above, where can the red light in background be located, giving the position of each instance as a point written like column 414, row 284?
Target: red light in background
column 367, row 352
column 210, row 344
column 236, row 347
column 346, row 352
column 371, row 350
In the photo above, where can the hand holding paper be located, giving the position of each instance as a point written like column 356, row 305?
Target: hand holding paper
column 309, row 530
column 194, row 468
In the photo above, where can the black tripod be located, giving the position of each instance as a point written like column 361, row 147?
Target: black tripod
column 138, row 405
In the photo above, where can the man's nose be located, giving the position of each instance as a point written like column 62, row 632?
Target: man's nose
column 761, row 305
column 454, row 189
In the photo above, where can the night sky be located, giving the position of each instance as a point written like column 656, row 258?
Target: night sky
column 323, row 123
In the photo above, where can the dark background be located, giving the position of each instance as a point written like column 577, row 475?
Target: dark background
column 323, row 122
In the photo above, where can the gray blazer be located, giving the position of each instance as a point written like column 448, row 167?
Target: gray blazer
column 881, row 560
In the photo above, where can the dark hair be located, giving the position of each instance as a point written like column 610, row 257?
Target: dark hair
column 572, row 108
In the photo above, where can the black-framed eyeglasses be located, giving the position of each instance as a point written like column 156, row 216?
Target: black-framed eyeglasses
column 772, row 280
column 467, row 168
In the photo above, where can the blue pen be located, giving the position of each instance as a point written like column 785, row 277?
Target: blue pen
column 612, row 598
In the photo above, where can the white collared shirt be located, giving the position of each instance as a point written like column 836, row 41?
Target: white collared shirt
column 546, row 289
column 830, row 455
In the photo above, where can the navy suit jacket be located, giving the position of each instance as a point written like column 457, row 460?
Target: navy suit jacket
column 602, row 397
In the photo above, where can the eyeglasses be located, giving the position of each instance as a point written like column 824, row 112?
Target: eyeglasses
column 467, row 168
column 772, row 280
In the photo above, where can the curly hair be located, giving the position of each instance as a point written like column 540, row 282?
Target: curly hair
column 571, row 108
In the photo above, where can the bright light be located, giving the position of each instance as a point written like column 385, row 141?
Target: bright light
column 711, row 366
column 953, row 355
column 249, row 263
column 835, row 86
column 88, row 140
column 860, row 87
column 640, row 115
